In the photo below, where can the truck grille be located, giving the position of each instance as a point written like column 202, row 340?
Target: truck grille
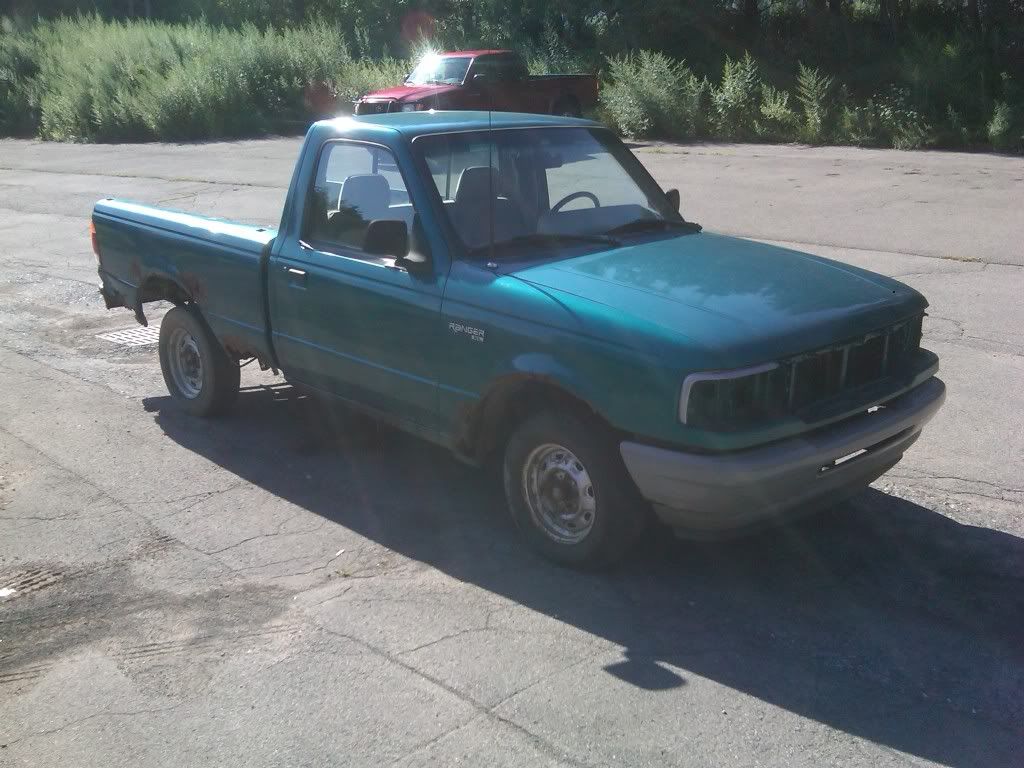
column 794, row 386
column 373, row 107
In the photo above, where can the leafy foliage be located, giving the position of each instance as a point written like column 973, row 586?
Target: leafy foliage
column 110, row 81
column 645, row 96
column 778, row 120
column 1000, row 128
column 814, row 92
column 920, row 73
column 697, row 106
column 19, row 111
column 737, row 99
column 884, row 121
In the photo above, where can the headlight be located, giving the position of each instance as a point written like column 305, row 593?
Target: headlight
column 724, row 400
column 411, row 107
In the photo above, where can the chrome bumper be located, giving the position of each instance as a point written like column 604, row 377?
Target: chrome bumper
column 704, row 494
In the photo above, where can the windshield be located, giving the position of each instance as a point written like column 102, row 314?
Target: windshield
column 439, row 69
column 562, row 185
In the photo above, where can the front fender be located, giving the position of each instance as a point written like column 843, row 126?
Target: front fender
column 482, row 423
column 498, row 331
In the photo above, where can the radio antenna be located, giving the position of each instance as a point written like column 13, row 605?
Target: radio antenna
column 490, row 182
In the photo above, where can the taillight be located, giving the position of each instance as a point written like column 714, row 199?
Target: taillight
column 95, row 241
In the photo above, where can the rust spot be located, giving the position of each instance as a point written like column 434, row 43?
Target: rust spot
column 136, row 270
column 467, row 420
column 195, row 287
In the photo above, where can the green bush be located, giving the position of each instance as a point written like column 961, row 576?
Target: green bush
column 355, row 78
column 737, row 99
column 939, row 71
column 885, row 121
column 778, row 120
column 697, row 106
column 952, row 130
column 19, row 110
column 91, row 79
column 814, row 92
column 553, row 54
column 91, row 72
column 645, row 95
column 1000, row 128
column 107, row 81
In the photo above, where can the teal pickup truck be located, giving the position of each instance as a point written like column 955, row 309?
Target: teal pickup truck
column 518, row 288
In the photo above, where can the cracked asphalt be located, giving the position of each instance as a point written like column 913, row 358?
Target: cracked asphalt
column 294, row 585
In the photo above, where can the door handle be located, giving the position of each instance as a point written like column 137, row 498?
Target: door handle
column 296, row 277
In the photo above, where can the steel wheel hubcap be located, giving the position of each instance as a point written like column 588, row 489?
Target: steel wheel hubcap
column 186, row 363
column 559, row 492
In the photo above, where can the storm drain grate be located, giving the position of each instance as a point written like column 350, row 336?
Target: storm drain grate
column 18, row 583
column 140, row 336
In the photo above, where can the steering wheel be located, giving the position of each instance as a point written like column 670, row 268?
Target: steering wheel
column 575, row 196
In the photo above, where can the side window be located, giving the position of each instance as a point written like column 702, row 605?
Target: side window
column 355, row 184
column 497, row 68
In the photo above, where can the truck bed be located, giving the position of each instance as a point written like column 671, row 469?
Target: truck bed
column 212, row 262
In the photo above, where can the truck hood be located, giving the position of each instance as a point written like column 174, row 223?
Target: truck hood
column 411, row 92
column 743, row 302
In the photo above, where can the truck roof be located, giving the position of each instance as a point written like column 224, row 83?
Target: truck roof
column 412, row 124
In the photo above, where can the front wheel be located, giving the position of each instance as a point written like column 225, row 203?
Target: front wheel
column 197, row 372
column 568, row 491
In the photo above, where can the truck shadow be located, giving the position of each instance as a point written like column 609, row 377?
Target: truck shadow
column 883, row 619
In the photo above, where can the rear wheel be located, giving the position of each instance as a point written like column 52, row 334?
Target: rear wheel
column 198, row 374
column 568, row 491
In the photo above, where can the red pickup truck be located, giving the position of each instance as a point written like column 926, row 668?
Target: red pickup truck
column 480, row 80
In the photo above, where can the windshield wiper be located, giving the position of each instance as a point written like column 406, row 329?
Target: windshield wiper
column 649, row 225
column 538, row 238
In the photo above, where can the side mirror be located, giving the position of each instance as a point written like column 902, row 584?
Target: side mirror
column 672, row 196
column 417, row 261
column 387, row 237
column 481, row 78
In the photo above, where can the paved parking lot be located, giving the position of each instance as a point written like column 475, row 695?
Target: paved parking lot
column 296, row 586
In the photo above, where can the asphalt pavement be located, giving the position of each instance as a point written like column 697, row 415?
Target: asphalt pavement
column 295, row 585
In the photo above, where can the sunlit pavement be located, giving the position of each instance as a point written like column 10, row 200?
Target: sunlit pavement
column 293, row 585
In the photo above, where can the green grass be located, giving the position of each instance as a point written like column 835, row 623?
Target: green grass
column 90, row 79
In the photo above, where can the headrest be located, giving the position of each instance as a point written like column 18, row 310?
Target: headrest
column 477, row 182
column 368, row 193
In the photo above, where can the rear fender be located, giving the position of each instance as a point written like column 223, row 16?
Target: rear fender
column 164, row 287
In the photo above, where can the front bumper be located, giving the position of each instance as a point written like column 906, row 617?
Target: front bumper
column 702, row 495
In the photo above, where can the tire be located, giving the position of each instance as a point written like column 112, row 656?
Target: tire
column 554, row 459
column 567, row 107
column 200, row 377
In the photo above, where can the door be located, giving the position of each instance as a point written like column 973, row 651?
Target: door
column 346, row 321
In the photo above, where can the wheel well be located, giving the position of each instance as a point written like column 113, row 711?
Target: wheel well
column 163, row 288
column 157, row 288
column 488, row 427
